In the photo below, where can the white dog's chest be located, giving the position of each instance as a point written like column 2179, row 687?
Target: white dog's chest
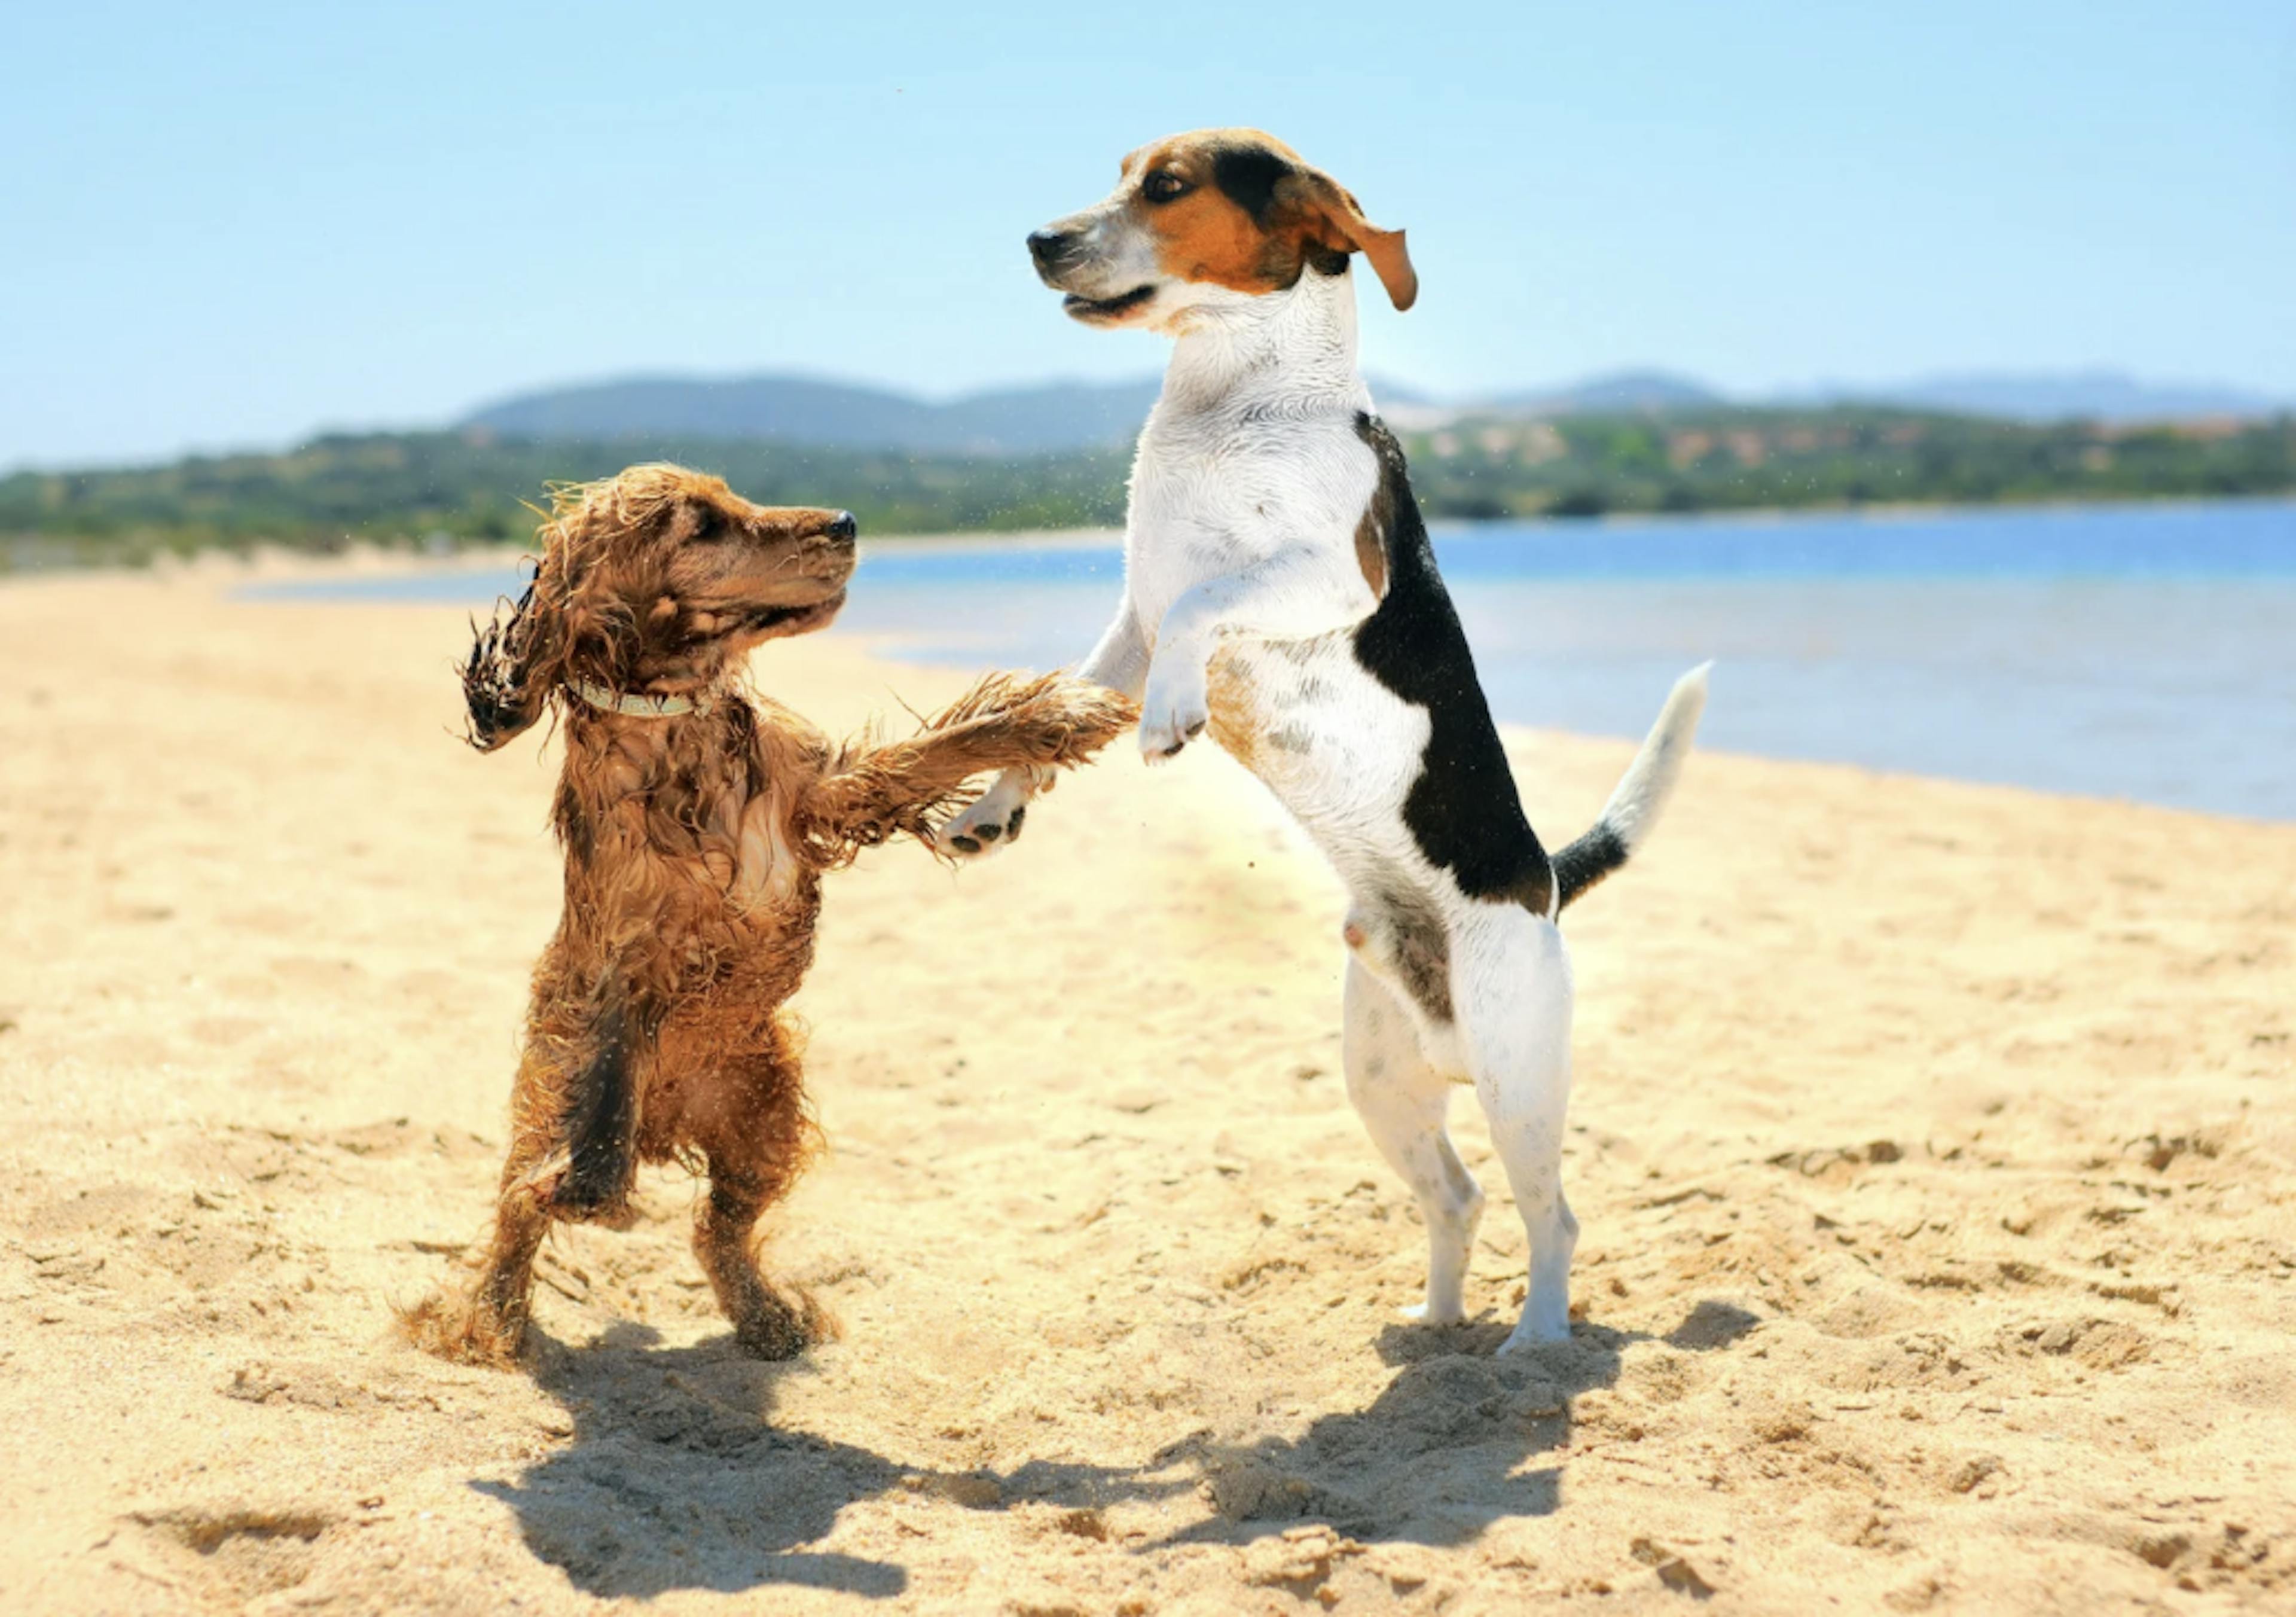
column 1216, row 495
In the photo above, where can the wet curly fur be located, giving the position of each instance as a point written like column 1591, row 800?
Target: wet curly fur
column 694, row 846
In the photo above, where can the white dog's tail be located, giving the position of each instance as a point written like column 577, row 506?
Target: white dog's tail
column 1641, row 796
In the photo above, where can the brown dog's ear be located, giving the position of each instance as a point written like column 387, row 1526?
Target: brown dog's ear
column 512, row 672
column 1346, row 230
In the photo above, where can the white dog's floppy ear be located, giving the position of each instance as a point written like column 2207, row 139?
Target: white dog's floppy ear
column 1348, row 231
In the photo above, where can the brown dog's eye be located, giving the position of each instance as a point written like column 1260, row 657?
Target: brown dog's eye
column 709, row 524
column 1163, row 185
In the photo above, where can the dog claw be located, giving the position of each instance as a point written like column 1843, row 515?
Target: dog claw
column 989, row 833
column 964, row 844
column 1012, row 825
column 1159, row 742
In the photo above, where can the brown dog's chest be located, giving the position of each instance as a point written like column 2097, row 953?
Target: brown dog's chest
column 688, row 889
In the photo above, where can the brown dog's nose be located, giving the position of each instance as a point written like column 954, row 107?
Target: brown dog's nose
column 1046, row 245
column 843, row 529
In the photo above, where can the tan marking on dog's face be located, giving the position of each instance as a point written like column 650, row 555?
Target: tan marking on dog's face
column 1204, row 235
column 1235, row 209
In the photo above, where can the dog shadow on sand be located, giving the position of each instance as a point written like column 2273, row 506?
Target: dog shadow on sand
column 1446, row 1449
column 676, row 1479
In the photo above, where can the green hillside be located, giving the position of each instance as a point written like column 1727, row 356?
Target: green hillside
column 1743, row 459
column 444, row 488
column 441, row 488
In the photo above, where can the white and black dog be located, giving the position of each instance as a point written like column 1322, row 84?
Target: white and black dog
column 1281, row 590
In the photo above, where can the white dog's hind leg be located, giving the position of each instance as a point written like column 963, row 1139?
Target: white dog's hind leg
column 1511, row 981
column 1402, row 1101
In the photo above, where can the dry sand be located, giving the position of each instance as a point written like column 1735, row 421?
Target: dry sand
column 1931, row 1143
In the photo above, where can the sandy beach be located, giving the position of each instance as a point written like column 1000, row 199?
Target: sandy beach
column 1931, row 1144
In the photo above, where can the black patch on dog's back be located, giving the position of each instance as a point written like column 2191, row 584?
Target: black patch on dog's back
column 1462, row 810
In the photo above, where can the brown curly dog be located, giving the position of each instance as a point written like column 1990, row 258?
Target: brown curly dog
column 697, row 820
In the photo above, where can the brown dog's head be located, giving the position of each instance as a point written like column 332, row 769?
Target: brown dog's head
column 1199, row 216
column 653, row 582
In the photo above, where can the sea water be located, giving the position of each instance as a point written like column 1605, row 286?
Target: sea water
column 2140, row 652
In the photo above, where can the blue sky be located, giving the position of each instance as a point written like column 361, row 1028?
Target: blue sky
column 229, row 225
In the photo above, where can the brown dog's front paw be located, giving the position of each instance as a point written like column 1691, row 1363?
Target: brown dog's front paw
column 1091, row 715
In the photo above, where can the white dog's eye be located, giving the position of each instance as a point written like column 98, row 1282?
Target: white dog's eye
column 1163, row 185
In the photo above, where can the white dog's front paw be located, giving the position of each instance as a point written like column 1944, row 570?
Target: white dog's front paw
column 1173, row 714
column 994, row 819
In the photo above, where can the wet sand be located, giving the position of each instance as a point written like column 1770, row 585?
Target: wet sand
column 1931, row 1143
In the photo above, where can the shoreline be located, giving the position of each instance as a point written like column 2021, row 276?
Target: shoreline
column 264, row 556
column 917, row 647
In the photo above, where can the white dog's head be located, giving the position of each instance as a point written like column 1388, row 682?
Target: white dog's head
column 1201, row 218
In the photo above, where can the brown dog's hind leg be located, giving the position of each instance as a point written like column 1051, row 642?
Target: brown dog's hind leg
column 485, row 1325
column 766, row 1324
column 756, row 1138
column 484, row 1322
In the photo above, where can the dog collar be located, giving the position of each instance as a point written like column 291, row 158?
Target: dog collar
column 639, row 704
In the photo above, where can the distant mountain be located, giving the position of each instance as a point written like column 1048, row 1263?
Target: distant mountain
column 2109, row 395
column 2067, row 396
column 1053, row 417
column 833, row 414
column 1622, row 392
column 1041, row 420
